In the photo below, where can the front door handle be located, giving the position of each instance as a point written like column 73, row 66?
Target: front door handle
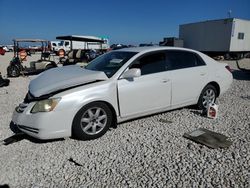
column 203, row 74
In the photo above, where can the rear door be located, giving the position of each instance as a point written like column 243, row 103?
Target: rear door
column 189, row 76
column 149, row 92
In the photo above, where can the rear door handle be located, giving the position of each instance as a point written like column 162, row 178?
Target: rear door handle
column 203, row 74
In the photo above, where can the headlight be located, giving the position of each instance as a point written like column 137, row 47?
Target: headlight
column 45, row 105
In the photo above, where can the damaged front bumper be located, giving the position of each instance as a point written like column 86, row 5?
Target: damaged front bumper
column 44, row 125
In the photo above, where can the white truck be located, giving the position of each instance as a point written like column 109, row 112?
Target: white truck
column 75, row 42
column 54, row 45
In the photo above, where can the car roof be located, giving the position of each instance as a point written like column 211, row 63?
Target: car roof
column 152, row 48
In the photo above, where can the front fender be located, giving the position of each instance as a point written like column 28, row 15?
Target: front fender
column 72, row 102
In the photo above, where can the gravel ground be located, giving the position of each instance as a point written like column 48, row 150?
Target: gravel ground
column 148, row 152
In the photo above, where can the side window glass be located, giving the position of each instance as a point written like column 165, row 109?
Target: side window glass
column 152, row 63
column 183, row 59
column 199, row 61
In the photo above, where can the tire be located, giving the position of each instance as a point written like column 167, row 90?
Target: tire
column 92, row 121
column 13, row 71
column 208, row 95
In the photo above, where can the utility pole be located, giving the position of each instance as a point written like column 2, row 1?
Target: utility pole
column 229, row 13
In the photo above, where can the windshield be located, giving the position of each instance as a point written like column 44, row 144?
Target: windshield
column 110, row 63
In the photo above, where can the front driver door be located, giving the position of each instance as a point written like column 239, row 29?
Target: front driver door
column 148, row 93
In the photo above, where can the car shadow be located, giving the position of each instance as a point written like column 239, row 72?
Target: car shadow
column 162, row 120
column 4, row 186
column 22, row 136
column 241, row 74
column 199, row 113
column 19, row 136
column 194, row 110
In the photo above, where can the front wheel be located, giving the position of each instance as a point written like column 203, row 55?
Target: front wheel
column 13, row 71
column 207, row 96
column 92, row 121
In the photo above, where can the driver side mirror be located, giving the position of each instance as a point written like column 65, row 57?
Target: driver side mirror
column 131, row 73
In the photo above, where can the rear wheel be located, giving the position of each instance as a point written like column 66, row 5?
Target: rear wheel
column 92, row 121
column 13, row 71
column 207, row 96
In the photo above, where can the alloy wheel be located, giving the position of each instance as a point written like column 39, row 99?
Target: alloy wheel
column 93, row 121
column 208, row 97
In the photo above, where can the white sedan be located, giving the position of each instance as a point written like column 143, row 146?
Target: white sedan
column 118, row 86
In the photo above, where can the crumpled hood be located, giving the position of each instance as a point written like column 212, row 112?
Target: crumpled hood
column 62, row 78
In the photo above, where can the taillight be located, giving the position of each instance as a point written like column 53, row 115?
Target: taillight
column 228, row 68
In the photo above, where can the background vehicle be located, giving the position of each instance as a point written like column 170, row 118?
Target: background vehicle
column 171, row 41
column 75, row 42
column 16, row 68
column 5, row 48
column 2, row 51
column 82, row 49
column 54, row 46
column 117, row 86
column 10, row 47
column 118, row 46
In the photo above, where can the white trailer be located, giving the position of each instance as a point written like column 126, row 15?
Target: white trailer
column 228, row 37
